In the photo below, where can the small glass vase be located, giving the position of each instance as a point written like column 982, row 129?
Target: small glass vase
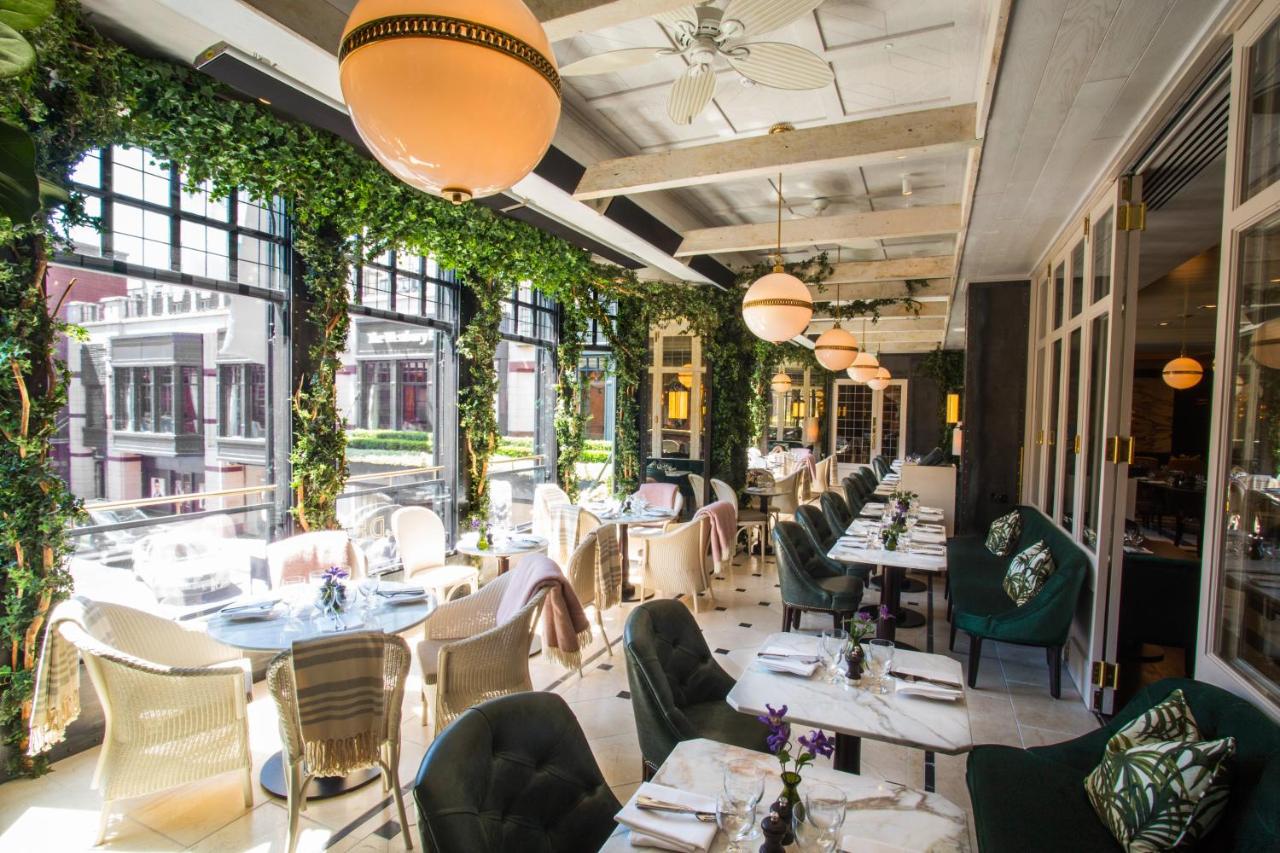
column 483, row 541
column 787, row 801
column 891, row 542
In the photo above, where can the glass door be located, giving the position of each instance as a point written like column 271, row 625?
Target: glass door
column 867, row 423
column 890, row 417
column 1239, row 626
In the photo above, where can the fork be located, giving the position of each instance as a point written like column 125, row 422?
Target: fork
column 650, row 804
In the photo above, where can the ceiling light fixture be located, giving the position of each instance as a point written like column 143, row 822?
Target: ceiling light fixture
column 880, row 381
column 864, row 367
column 1182, row 373
column 456, row 98
column 778, row 306
column 836, row 348
column 780, row 383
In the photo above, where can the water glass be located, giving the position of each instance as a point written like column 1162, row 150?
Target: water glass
column 369, row 592
column 880, row 656
column 818, row 820
column 831, row 647
column 736, row 817
column 744, row 780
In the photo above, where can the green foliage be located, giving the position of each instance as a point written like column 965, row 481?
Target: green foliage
column 404, row 441
column 569, row 415
column 946, row 369
column 22, row 191
column 477, row 420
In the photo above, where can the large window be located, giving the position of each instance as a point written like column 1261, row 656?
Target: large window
column 145, row 400
column 242, row 400
column 406, row 284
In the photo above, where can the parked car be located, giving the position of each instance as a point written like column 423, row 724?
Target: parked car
column 110, row 545
column 185, row 562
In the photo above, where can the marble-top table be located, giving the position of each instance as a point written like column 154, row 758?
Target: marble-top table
column 502, row 550
column 853, row 712
column 624, row 520
column 900, row 818
column 894, row 563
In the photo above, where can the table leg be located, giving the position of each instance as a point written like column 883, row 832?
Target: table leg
column 504, row 565
column 848, row 757
column 628, row 589
column 930, row 772
column 887, row 629
column 321, row 788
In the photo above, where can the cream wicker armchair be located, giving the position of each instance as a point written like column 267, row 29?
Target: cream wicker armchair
column 420, row 537
column 174, row 702
column 675, row 561
column 584, row 575
column 382, row 746
column 752, row 520
column 469, row 657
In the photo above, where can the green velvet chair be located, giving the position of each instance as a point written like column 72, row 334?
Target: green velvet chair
column 934, row 457
column 855, row 494
column 810, row 581
column 880, row 465
column 822, row 537
column 513, row 774
column 983, row 610
column 1034, row 799
column 835, row 510
column 677, row 688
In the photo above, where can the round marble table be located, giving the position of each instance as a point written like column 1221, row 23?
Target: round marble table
column 280, row 633
column 624, row 522
column 517, row 546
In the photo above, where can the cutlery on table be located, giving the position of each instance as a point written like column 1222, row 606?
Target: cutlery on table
column 650, row 804
column 798, row 658
column 935, row 681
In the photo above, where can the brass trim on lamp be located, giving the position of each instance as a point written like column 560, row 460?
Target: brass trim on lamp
column 450, row 29
column 953, row 408
column 772, row 303
column 841, row 347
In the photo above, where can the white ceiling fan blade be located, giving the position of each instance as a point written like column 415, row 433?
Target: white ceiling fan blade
column 691, row 94
column 614, row 60
column 761, row 16
column 671, row 19
column 782, row 66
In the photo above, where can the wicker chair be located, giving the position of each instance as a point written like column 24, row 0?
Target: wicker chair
column 675, row 561
column 697, row 484
column 588, row 585
column 469, row 657
column 383, row 754
column 822, row 477
column 753, row 521
column 421, row 539
column 174, row 702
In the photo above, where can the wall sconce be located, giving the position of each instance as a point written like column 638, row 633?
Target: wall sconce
column 953, row 408
column 677, row 402
column 797, row 409
column 812, row 431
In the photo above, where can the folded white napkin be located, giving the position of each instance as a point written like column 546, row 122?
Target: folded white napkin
column 870, row 510
column 930, row 550
column 667, row 830
column 924, row 690
column 925, row 671
column 854, row 844
column 932, row 536
column 251, row 606
column 793, row 661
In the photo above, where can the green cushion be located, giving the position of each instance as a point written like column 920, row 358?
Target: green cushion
column 1162, row 794
column 1003, row 533
column 718, row 721
column 1028, row 572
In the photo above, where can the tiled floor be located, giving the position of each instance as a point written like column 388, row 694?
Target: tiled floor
column 60, row 812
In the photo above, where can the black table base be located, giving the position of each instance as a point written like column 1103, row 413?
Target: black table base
column 848, row 757
column 321, row 787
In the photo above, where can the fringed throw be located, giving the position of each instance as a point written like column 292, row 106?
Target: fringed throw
column 57, row 696
column 609, row 575
column 341, row 695
column 565, row 628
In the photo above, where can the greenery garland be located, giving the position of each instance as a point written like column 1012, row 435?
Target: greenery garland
column 569, row 417
column 477, row 419
column 946, row 369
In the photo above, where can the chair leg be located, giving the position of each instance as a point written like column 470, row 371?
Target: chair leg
column 603, row 636
column 246, row 785
column 296, row 798
column 952, row 644
column 786, row 617
column 975, row 656
column 104, row 819
column 1055, row 671
column 796, row 613
column 391, row 774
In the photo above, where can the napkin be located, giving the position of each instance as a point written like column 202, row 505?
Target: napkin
column 926, row 672
column 665, row 830
column 792, row 663
column 931, row 550
column 399, row 591
column 937, row 537
column 872, row 510
column 924, row 690
column 852, row 843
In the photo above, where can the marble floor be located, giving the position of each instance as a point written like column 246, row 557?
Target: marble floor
column 60, row 812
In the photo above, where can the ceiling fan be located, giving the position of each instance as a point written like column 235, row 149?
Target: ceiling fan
column 705, row 32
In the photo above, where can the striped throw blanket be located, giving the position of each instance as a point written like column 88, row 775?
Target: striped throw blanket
column 609, row 573
column 340, row 694
column 57, row 697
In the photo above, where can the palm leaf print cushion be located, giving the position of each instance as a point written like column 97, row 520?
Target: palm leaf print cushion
column 1028, row 572
column 1003, row 533
column 1159, row 786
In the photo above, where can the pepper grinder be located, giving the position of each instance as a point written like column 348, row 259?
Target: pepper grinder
column 774, row 829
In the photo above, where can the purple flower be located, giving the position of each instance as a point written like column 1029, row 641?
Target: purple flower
column 817, row 743
column 335, row 573
column 885, row 614
column 779, row 730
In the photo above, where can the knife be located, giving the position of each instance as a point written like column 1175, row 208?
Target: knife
column 937, row 681
column 649, row 804
column 798, row 658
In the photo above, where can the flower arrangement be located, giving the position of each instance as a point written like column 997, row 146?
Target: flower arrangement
column 809, row 747
column 333, row 592
column 482, row 534
column 862, row 627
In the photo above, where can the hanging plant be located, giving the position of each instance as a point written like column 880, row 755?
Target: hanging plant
column 946, row 369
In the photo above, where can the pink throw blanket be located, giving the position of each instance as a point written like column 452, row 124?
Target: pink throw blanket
column 565, row 629
column 805, row 457
column 659, row 494
column 723, row 517
column 299, row 556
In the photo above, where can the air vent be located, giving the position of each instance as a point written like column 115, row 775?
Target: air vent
column 1194, row 138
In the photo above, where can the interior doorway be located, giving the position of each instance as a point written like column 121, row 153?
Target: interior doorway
column 866, row 423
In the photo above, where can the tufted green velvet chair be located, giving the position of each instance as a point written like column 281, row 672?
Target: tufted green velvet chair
column 855, row 493
column 811, row 581
column 513, row 775
column 677, row 688
column 822, row 537
column 836, row 511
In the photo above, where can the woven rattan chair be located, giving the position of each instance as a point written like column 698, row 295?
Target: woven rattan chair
column 469, row 657
column 420, row 537
column 588, row 585
column 675, row 561
column 822, row 478
column 750, row 520
column 174, row 702
column 384, row 749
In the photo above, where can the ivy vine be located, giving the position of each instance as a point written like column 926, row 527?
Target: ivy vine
column 946, row 369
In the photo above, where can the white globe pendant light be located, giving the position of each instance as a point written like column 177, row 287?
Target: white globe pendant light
column 454, row 97
column 864, row 367
column 880, row 381
column 836, row 348
column 1182, row 372
column 777, row 307
column 780, row 383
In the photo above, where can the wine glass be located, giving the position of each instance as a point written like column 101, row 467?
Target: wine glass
column 736, row 817
column 830, row 644
column 744, row 779
column 817, row 822
column 880, row 655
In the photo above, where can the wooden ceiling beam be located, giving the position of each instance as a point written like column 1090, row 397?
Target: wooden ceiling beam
column 936, row 291
column 847, row 145
column 889, row 312
column 934, row 266
column 874, row 225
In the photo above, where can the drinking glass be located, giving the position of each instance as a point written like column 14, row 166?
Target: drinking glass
column 744, row 780
column 880, row 655
column 830, row 645
column 736, row 816
column 818, row 820
column 368, row 587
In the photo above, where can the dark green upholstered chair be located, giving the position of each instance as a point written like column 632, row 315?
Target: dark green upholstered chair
column 982, row 609
column 880, row 465
column 835, row 510
column 822, row 537
column 677, row 688
column 810, row 581
column 513, row 774
column 869, row 480
column 934, row 457
column 855, row 494
column 1034, row 799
